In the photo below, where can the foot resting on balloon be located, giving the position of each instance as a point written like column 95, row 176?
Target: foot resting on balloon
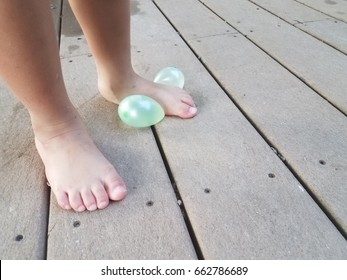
column 175, row 101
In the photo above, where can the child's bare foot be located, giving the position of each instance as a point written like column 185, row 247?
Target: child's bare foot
column 79, row 175
column 175, row 101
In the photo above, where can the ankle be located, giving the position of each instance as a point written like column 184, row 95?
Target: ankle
column 111, row 76
column 46, row 130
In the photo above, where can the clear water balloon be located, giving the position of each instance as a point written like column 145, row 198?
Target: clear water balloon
column 170, row 76
column 140, row 111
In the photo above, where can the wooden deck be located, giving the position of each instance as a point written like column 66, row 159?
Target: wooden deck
column 259, row 173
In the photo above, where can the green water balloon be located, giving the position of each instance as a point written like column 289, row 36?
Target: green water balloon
column 170, row 76
column 140, row 111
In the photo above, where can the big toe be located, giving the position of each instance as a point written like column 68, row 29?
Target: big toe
column 186, row 111
column 118, row 193
column 115, row 188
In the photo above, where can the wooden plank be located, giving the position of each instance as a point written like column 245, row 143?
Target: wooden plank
column 302, row 126
column 24, row 194
column 129, row 229
column 321, row 26
column 319, row 65
column 291, row 11
column 334, row 8
column 23, row 200
column 220, row 163
column 56, row 11
column 332, row 32
column 73, row 42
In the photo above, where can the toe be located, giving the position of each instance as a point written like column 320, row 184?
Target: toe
column 115, row 187
column 100, row 195
column 89, row 200
column 186, row 111
column 188, row 100
column 117, row 192
column 63, row 200
column 76, row 201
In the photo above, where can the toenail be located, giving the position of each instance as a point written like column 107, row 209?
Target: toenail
column 102, row 205
column 92, row 207
column 193, row 110
column 119, row 191
column 81, row 208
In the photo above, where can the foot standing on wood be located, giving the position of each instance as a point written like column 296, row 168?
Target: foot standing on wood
column 79, row 175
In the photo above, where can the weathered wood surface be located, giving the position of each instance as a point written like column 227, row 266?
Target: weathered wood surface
column 300, row 124
column 242, row 201
column 319, row 65
column 23, row 199
column 56, row 12
column 334, row 8
column 246, row 214
column 129, row 229
column 323, row 27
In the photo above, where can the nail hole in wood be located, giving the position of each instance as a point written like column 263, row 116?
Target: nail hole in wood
column 271, row 175
column 322, row 162
column 150, row 203
column 19, row 237
column 76, row 223
column 70, row 60
column 207, row 190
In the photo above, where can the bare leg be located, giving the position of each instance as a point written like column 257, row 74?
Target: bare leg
column 79, row 175
column 107, row 29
